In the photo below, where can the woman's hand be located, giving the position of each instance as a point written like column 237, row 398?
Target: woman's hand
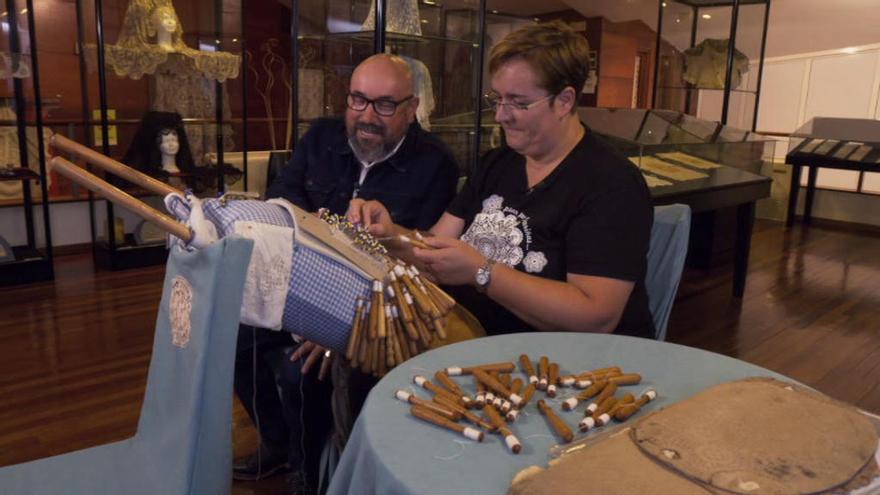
column 314, row 352
column 373, row 215
column 451, row 261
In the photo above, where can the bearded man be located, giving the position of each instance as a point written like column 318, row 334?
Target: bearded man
column 377, row 152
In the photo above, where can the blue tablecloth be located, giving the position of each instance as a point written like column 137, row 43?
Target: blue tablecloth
column 390, row 452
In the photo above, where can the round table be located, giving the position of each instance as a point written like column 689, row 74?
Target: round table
column 391, row 452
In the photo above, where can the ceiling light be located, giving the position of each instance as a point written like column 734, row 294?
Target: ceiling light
column 706, row 16
column 850, row 50
column 664, row 4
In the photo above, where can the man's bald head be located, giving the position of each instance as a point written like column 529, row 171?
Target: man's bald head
column 393, row 70
column 385, row 78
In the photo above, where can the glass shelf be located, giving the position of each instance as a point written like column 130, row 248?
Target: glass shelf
column 695, row 88
column 390, row 38
column 18, row 174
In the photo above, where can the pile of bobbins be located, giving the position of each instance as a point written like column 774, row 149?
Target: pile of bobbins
column 404, row 314
column 502, row 397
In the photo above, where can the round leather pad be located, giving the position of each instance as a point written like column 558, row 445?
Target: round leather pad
column 760, row 436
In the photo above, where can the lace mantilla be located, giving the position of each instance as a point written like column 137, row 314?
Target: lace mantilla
column 138, row 51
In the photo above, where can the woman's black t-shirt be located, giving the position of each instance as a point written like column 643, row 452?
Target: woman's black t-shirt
column 591, row 216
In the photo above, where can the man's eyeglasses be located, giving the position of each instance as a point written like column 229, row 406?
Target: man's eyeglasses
column 494, row 102
column 381, row 106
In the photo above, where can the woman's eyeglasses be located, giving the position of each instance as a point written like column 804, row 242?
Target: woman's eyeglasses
column 494, row 102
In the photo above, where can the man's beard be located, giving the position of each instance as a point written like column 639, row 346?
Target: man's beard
column 370, row 152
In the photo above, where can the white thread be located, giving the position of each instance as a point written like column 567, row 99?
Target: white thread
column 461, row 446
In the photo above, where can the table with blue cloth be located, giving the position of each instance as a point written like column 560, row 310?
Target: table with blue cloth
column 391, row 452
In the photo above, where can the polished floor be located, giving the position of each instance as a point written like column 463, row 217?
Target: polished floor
column 74, row 353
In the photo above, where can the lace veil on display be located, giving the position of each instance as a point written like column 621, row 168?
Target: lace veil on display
column 136, row 52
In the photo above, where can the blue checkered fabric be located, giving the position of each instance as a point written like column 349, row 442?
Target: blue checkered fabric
column 224, row 217
column 322, row 298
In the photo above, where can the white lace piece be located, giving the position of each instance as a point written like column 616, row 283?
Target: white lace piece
column 9, row 155
column 136, row 51
column 424, row 91
column 187, row 93
column 307, row 240
column 14, row 65
column 402, row 17
column 180, row 311
column 268, row 275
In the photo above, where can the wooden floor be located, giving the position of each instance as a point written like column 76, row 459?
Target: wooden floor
column 74, row 353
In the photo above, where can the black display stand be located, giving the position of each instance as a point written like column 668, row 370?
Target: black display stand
column 32, row 263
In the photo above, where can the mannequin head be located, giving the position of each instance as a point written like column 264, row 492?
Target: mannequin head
column 166, row 26
column 160, row 140
column 169, row 145
column 168, row 141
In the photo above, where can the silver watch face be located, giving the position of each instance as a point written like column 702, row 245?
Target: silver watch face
column 482, row 276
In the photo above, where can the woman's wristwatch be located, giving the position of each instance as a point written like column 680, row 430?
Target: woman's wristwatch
column 484, row 276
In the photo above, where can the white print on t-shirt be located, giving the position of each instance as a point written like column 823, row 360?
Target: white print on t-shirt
column 499, row 233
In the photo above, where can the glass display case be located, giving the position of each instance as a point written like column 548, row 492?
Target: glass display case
column 154, row 73
column 25, row 233
column 711, row 58
column 671, row 147
column 841, row 155
column 719, row 171
column 441, row 40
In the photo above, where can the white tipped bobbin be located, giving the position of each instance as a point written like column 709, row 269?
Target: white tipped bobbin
column 587, row 423
column 513, row 444
column 516, row 400
column 570, row 403
column 473, row 434
column 454, row 371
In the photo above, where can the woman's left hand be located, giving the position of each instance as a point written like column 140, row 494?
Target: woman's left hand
column 451, row 262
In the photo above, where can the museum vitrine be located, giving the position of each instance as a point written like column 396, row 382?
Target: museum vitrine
column 25, row 232
column 162, row 92
column 711, row 58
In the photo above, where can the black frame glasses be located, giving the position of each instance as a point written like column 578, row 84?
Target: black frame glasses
column 382, row 106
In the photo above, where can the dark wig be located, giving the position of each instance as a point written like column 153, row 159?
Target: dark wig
column 144, row 154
